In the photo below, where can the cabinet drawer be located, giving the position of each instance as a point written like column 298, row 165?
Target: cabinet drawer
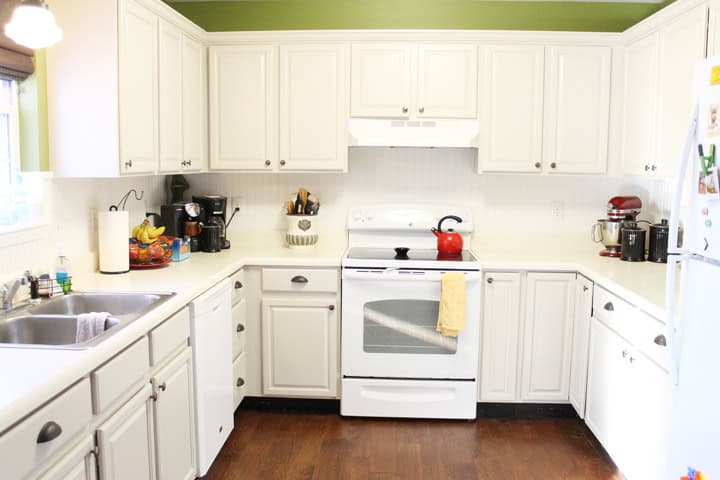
column 169, row 336
column 613, row 311
column 239, row 330
column 20, row 451
column 646, row 330
column 239, row 380
column 296, row 280
column 119, row 374
column 237, row 280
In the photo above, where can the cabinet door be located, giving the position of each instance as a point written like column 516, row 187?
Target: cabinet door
column 171, row 96
column 243, row 106
column 194, row 100
column 639, row 105
column 125, row 441
column 299, row 355
column 381, row 80
column 313, row 107
column 174, row 420
column 577, row 107
column 77, row 464
column 608, row 403
column 580, row 343
column 447, row 81
column 680, row 45
column 138, row 89
column 547, row 337
column 499, row 337
column 511, row 108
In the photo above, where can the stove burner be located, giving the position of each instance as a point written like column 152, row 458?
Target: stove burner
column 401, row 253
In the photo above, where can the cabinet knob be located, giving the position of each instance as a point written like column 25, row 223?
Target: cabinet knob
column 128, row 164
column 238, row 285
column 162, row 386
column 282, row 163
column 631, row 359
column 421, row 109
column 240, row 328
column 538, row 164
column 240, row 382
column 647, row 168
column 660, row 340
column 609, row 307
column 189, row 162
column 585, row 288
column 183, row 163
column 49, row 432
column 299, row 279
column 331, row 307
column 553, row 165
column 624, row 353
column 267, row 163
column 404, row 109
column 653, row 168
column 490, row 280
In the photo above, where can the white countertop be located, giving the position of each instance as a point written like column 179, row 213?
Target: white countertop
column 30, row 377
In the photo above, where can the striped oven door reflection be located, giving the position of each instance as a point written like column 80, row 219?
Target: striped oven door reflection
column 404, row 326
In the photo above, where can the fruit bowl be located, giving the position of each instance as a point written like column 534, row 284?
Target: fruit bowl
column 150, row 253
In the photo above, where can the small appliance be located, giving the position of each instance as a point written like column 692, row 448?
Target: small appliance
column 608, row 231
column 448, row 242
column 173, row 216
column 659, row 242
column 213, row 213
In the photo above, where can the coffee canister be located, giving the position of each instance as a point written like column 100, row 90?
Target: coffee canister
column 633, row 245
column 659, row 234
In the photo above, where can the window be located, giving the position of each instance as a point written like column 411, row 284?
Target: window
column 10, row 181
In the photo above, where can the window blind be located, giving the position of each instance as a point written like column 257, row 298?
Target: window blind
column 15, row 61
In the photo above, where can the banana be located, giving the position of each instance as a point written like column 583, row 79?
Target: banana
column 136, row 230
column 155, row 232
column 143, row 236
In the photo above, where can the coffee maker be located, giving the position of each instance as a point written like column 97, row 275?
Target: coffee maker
column 620, row 211
column 212, row 215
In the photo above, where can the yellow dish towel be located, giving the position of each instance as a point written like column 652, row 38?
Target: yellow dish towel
column 451, row 317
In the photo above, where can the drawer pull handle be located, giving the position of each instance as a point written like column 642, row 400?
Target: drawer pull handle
column 240, row 382
column 660, row 340
column 162, row 386
column 49, row 432
column 238, row 284
column 240, row 328
column 490, row 280
column 299, row 279
column 609, row 307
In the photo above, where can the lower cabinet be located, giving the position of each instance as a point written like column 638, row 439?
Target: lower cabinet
column 77, row 464
column 580, row 344
column 299, row 351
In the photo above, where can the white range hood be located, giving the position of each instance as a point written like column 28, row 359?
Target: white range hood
column 365, row 132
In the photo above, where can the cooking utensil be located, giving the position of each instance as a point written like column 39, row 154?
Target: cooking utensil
column 448, row 242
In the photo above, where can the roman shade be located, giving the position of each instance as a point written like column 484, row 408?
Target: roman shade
column 16, row 62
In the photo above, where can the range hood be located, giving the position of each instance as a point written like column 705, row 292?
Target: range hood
column 365, row 132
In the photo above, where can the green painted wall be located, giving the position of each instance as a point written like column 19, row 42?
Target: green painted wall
column 34, row 156
column 430, row 14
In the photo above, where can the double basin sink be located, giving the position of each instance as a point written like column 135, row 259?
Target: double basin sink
column 54, row 323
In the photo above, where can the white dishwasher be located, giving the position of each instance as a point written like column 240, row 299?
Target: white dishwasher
column 211, row 322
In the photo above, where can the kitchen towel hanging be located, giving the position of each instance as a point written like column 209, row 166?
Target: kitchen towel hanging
column 113, row 228
column 451, row 315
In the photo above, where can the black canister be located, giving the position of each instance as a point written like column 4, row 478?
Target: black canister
column 659, row 234
column 210, row 240
column 633, row 245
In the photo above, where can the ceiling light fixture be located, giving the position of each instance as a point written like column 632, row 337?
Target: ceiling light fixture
column 32, row 25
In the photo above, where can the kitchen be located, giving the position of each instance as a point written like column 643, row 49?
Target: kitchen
column 523, row 224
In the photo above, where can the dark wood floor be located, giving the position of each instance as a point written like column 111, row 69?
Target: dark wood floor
column 280, row 445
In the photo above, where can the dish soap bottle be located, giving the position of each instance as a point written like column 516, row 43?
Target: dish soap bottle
column 61, row 273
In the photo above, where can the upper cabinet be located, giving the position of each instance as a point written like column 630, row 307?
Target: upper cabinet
column 544, row 109
column 657, row 99
column 401, row 80
column 132, row 100
column 279, row 108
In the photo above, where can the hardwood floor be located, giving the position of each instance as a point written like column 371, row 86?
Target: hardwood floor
column 289, row 445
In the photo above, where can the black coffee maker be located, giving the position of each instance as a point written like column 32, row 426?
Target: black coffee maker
column 212, row 213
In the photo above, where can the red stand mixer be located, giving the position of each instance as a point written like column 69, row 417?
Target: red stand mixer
column 607, row 230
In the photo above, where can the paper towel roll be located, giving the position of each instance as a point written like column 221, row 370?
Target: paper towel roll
column 113, row 230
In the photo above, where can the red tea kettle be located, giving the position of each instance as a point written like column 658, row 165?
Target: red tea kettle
column 449, row 242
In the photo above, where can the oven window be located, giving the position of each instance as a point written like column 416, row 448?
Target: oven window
column 404, row 326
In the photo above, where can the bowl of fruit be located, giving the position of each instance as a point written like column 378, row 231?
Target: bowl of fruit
column 148, row 247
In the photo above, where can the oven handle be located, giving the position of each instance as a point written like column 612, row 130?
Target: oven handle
column 394, row 274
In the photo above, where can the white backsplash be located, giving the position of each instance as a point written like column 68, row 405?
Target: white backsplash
column 501, row 203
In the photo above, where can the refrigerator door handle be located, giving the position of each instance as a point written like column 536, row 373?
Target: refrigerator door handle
column 690, row 141
column 670, row 293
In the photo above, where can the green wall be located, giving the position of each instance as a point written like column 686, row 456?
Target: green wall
column 34, row 155
column 430, row 14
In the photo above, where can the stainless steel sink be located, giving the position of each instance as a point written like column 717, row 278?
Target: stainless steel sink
column 57, row 330
column 53, row 323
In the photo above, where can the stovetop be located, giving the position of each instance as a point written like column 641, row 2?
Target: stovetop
column 412, row 258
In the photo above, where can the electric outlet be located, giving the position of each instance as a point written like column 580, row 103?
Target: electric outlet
column 557, row 209
column 236, row 203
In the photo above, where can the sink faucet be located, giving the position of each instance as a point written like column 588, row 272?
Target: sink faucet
column 9, row 289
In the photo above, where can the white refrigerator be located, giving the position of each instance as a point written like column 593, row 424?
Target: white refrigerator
column 693, row 310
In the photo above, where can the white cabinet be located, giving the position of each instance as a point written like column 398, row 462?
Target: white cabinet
column 577, row 107
column 658, row 76
column 299, row 353
column 239, row 337
column 500, row 337
column 511, row 108
column 125, row 441
column 313, row 107
column 414, row 81
column 580, row 343
column 138, row 101
column 174, row 419
column 243, row 107
column 547, row 336
column 194, row 104
column 77, row 464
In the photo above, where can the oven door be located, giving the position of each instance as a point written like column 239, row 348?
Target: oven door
column 389, row 321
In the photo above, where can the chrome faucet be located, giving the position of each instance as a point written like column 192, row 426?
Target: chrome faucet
column 9, row 289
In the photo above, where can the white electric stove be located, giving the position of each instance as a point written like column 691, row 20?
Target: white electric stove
column 394, row 362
